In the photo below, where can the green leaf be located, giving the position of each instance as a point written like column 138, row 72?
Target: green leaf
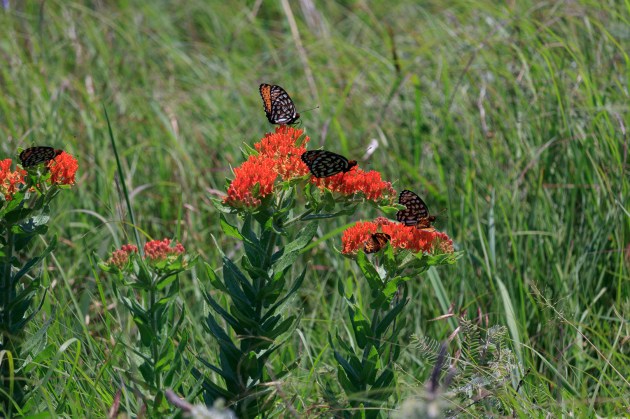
column 51, row 246
column 304, row 237
column 16, row 215
column 369, row 271
column 254, row 247
column 282, row 327
column 214, row 279
column 221, row 336
column 385, row 382
column 323, row 216
column 347, row 384
column 389, row 318
column 167, row 355
column 147, row 372
column 392, row 267
column 146, row 333
column 353, row 375
column 296, row 285
column 368, row 372
column 287, row 260
column 229, row 229
column 221, row 207
column 233, row 277
column 360, row 326
column 390, row 210
column 245, row 317
column 512, row 321
column 165, row 281
column 226, row 316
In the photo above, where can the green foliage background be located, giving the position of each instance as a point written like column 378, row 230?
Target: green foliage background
column 512, row 116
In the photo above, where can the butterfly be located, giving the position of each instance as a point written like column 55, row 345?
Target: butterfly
column 376, row 242
column 324, row 163
column 279, row 107
column 416, row 213
column 33, row 156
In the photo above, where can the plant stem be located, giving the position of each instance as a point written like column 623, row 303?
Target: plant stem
column 155, row 328
column 7, row 289
column 299, row 217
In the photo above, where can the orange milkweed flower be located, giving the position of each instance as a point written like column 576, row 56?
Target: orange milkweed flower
column 253, row 180
column 281, row 146
column 63, row 169
column 10, row 180
column 401, row 236
column 370, row 184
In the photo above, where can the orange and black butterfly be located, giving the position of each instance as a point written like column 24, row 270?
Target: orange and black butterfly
column 33, row 156
column 376, row 242
column 416, row 213
column 279, row 107
column 324, row 163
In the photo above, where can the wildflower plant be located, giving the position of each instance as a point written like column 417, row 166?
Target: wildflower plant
column 274, row 229
column 366, row 365
column 25, row 212
column 147, row 285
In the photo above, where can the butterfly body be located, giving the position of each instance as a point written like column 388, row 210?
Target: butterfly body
column 324, row 163
column 33, row 156
column 376, row 242
column 416, row 214
column 279, row 107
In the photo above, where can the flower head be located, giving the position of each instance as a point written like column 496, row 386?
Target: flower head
column 63, row 169
column 120, row 258
column 157, row 250
column 10, row 180
column 253, row 180
column 370, row 184
column 402, row 237
column 281, row 146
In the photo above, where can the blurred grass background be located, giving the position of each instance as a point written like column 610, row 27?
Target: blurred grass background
column 512, row 116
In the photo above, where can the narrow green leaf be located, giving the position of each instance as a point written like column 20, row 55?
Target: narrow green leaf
column 368, row 372
column 369, row 271
column 304, row 237
column 389, row 318
column 296, row 285
column 214, row 279
column 229, row 229
column 360, row 326
column 511, row 319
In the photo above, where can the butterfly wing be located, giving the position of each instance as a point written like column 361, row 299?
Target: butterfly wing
column 416, row 213
column 376, row 242
column 279, row 107
column 324, row 163
column 265, row 94
column 33, row 156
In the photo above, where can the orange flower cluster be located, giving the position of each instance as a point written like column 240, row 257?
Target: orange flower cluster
column 281, row 147
column 278, row 154
column 161, row 249
column 402, row 237
column 120, row 258
column 10, row 180
column 63, row 169
column 253, row 180
column 370, row 184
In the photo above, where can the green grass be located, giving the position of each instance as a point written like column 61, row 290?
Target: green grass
column 513, row 117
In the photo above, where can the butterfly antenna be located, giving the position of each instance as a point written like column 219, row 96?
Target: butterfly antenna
column 307, row 110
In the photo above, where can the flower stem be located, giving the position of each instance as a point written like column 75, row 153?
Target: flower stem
column 155, row 328
column 6, row 289
column 299, row 217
